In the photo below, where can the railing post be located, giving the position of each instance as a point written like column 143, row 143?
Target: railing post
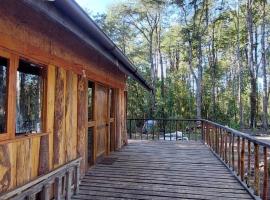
column 265, row 176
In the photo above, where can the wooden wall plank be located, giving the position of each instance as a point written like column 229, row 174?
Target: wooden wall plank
column 5, row 168
column 23, row 162
column 71, row 115
column 82, row 121
column 51, row 79
column 59, row 118
column 34, row 157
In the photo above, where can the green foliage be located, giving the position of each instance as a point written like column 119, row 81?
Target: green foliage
column 211, row 24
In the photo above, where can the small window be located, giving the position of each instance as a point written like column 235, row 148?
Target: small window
column 29, row 98
column 90, row 100
column 3, row 94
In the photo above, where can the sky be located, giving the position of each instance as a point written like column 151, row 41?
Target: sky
column 96, row 6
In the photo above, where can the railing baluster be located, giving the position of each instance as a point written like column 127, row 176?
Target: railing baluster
column 68, row 184
column 242, row 172
column 130, row 133
column 164, row 129
column 233, row 161
column 249, row 164
column 256, row 170
column 58, row 188
column 265, row 175
column 77, row 179
column 45, row 192
column 230, row 148
column 238, row 156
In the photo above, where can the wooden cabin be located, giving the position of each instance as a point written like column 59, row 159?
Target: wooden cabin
column 62, row 95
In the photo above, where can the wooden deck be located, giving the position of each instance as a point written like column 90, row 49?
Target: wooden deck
column 161, row 170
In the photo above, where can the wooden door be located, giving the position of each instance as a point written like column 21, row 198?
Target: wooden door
column 101, row 120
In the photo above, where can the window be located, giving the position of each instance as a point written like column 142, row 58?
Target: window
column 90, row 101
column 29, row 98
column 3, row 94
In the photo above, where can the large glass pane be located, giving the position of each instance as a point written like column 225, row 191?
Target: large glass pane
column 3, row 94
column 29, row 98
column 90, row 101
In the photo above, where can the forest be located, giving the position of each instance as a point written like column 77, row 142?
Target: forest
column 204, row 58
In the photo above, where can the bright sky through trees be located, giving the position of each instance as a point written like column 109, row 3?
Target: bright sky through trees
column 95, row 6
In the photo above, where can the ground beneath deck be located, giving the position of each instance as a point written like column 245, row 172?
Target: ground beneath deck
column 161, row 170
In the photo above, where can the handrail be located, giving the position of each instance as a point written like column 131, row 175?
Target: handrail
column 238, row 133
column 245, row 156
column 42, row 183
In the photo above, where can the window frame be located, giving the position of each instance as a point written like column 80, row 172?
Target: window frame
column 44, row 76
column 6, row 135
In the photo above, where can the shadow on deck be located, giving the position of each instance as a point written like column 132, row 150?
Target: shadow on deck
column 161, row 170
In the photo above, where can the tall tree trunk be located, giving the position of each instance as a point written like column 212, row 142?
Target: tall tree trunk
column 162, row 69
column 153, row 75
column 240, row 70
column 199, row 82
column 253, row 79
column 265, row 86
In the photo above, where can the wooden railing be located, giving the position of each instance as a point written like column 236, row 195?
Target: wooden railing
column 64, row 179
column 245, row 156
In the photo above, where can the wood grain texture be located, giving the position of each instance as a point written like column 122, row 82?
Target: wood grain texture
column 50, row 105
column 82, row 121
column 59, row 118
column 70, row 115
column 5, row 168
column 161, row 170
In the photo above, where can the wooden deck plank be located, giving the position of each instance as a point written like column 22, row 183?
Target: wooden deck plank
column 161, row 170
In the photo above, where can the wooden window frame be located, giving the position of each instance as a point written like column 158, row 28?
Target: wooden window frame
column 44, row 77
column 6, row 135
column 10, row 135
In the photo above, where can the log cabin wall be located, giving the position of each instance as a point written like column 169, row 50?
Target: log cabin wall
column 69, row 64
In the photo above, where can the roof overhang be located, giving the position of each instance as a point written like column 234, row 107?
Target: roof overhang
column 80, row 24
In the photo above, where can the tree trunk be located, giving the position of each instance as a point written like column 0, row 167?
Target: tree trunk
column 153, row 78
column 253, row 79
column 240, row 71
column 199, row 82
column 265, row 91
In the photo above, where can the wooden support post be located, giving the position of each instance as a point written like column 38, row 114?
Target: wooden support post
column 77, row 179
column 58, row 188
column 68, row 184
column 265, row 176
column 242, row 168
column 257, row 170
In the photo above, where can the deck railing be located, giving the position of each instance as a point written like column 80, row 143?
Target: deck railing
column 64, row 181
column 245, row 156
